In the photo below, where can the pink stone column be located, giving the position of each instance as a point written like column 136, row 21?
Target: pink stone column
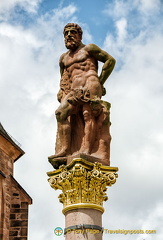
column 83, row 186
column 82, row 216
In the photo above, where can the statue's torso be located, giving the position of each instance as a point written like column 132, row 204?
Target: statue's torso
column 80, row 68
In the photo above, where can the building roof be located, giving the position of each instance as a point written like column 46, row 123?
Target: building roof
column 11, row 140
column 22, row 189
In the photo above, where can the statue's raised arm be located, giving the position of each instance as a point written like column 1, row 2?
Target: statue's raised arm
column 82, row 117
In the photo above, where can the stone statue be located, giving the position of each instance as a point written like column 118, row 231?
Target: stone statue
column 82, row 117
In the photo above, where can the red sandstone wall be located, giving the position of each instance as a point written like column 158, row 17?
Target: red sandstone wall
column 6, row 168
column 14, row 200
column 18, row 215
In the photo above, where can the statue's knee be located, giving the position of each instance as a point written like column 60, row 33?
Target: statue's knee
column 58, row 115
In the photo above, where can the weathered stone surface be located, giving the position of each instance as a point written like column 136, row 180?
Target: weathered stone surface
column 18, row 238
column 13, row 233
column 18, row 223
column 12, row 216
column 24, row 231
column 15, row 205
column 83, row 216
column 19, row 210
column 24, row 204
column 14, row 200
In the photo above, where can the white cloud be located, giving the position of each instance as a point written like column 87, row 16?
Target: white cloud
column 150, row 6
column 28, row 5
column 121, row 30
column 154, row 220
column 121, row 8
column 138, row 13
column 19, row 35
column 117, row 9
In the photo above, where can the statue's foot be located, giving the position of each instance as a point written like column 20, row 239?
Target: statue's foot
column 60, row 154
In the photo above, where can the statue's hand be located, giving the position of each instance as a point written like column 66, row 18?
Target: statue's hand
column 103, row 90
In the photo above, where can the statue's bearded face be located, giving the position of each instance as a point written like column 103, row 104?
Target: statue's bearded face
column 72, row 38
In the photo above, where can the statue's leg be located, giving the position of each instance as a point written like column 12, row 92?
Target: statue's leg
column 64, row 128
column 64, row 133
column 89, row 130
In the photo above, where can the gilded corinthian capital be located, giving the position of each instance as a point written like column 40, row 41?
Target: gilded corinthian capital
column 80, row 181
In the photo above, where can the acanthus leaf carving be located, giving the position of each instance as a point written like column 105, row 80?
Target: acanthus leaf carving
column 81, row 184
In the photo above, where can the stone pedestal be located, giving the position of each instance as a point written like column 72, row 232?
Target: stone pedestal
column 83, row 186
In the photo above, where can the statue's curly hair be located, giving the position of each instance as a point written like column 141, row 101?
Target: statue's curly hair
column 75, row 25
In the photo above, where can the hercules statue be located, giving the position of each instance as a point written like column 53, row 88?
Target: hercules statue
column 82, row 117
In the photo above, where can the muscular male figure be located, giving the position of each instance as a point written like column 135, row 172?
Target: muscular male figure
column 79, row 83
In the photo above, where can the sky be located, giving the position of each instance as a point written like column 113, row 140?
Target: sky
column 31, row 42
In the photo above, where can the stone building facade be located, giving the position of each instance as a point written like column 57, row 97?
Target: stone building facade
column 14, row 200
